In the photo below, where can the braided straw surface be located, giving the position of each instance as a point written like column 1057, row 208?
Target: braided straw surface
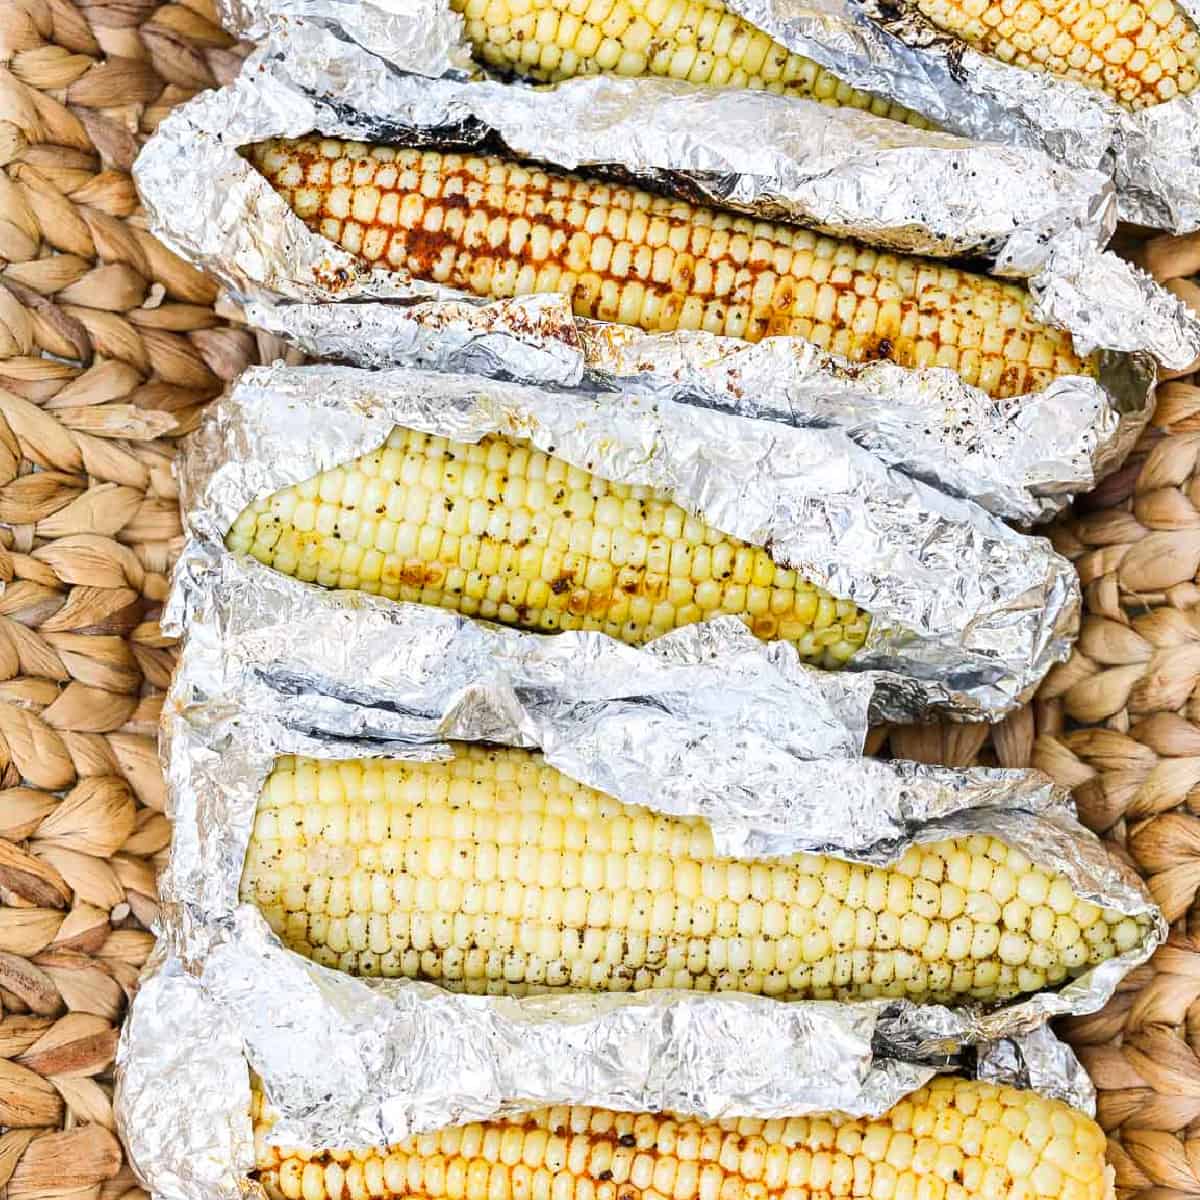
column 109, row 348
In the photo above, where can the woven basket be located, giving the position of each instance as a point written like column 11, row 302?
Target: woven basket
column 109, row 348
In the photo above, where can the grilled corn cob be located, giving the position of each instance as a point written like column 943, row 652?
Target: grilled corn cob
column 494, row 228
column 700, row 42
column 1140, row 52
column 500, row 531
column 496, row 873
column 954, row 1139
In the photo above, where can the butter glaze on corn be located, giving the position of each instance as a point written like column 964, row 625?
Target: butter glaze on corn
column 952, row 1140
column 493, row 228
column 1140, row 53
column 496, row 873
column 500, row 531
column 700, row 42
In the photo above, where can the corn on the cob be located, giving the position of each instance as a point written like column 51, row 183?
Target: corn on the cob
column 499, row 531
column 954, row 1139
column 699, row 41
column 1140, row 52
column 495, row 228
column 496, row 873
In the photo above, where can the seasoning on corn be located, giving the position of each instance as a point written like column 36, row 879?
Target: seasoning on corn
column 954, row 1139
column 1140, row 52
column 494, row 228
column 510, row 534
column 700, row 42
column 496, row 873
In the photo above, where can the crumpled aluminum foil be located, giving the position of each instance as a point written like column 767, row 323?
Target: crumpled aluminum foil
column 220, row 745
column 840, row 169
column 402, row 1056
column 889, row 49
column 967, row 614
column 271, row 667
column 182, row 1097
column 1010, row 204
column 182, row 1094
column 1022, row 459
column 352, row 1062
column 707, row 721
column 1038, row 1060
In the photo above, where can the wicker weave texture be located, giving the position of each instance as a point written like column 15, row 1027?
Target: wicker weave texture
column 109, row 348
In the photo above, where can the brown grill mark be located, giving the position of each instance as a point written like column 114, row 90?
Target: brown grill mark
column 764, row 627
column 633, row 581
column 582, row 602
column 415, row 573
column 333, row 280
column 422, row 249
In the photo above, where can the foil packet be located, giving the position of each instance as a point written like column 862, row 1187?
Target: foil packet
column 355, row 1062
column 707, row 721
column 841, row 170
column 889, row 49
column 967, row 614
column 183, row 1078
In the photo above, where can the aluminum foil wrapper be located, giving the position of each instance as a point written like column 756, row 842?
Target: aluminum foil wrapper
column 706, row 722
column 354, row 1063
column 182, row 1092
column 272, row 668
column 1154, row 153
column 889, row 49
column 241, row 699
column 182, row 1095
column 400, row 1056
column 967, row 614
column 840, row 170
column 422, row 36
column 1040, row 1062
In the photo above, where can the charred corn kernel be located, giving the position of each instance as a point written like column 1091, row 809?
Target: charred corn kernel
column 954, row 1139
column 1140, row 52
column 496, row 873
column 500, row 531
column 700, row 42
column 491, row 227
